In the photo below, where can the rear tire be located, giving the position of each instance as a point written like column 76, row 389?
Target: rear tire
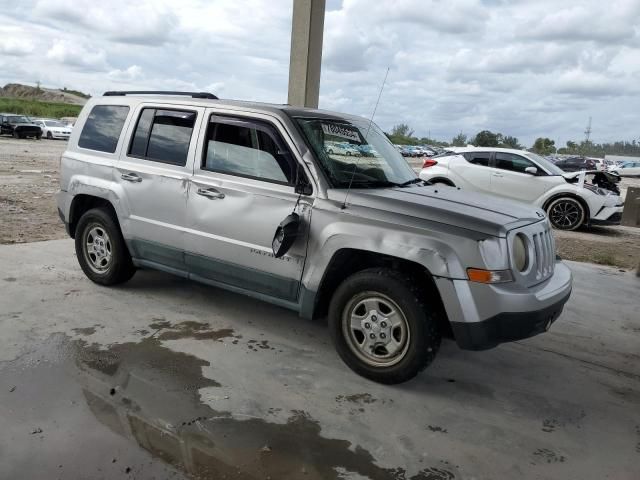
column 101, row 250
column 381, row 326
column 566, row 213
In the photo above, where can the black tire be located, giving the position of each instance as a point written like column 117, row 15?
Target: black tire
column 422, row 342
column 119, row 268
column 49, row 136
column 16, row 134
column 39, row 137
column 566, row 213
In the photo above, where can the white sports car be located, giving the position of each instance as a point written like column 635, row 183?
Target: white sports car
column 570, row 199
column 53, row 128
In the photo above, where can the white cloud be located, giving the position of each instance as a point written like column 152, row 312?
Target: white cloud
column 77, row 55
column 129, row 74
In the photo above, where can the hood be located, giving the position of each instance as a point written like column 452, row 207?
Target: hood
column 482, row 213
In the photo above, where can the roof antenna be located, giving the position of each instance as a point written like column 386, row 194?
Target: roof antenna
column 353, row 173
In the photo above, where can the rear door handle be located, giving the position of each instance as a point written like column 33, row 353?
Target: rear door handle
column 211, row 193
column 131, row 177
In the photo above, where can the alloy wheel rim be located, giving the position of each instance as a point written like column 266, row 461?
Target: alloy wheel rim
column 565, row 214
column 98, row 250
column 376, row 329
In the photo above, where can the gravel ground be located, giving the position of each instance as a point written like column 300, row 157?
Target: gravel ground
column 29, row 179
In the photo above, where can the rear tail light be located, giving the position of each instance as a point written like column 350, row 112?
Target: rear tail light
column 429, row 162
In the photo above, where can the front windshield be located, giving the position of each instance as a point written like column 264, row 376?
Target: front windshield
column 19, row 119
column 53, row 123
column 356, row 153
column 546, row 164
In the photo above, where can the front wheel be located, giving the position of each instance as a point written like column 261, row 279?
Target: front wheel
column 381, row 326
column 16, row 135
column 49, row 136
column 566, row 213
column 100, row 248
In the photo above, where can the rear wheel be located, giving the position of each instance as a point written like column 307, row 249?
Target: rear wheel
column 566, row 213
column 101, row 250
column 381, row 326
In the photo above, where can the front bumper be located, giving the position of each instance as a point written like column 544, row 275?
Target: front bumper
column 608, row 216
column 483, row 316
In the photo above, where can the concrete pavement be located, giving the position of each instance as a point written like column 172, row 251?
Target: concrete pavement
column 163, row 378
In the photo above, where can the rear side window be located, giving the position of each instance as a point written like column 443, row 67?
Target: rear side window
column 247, row 149
column 478, row 158
column 102, row 129
column 163, row 135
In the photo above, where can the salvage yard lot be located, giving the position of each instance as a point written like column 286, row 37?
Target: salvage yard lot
column 29, row 179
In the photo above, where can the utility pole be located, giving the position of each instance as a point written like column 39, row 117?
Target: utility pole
column 587, row 132
column 307, row 27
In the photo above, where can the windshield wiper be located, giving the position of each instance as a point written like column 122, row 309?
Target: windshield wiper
column 410, row 182
column 374, row 184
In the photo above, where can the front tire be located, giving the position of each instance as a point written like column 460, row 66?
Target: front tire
column 566, row 213
column 49, row 136
column 101, row 250
column 381, row 326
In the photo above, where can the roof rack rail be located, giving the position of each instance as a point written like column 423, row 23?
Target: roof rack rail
column 114, row 93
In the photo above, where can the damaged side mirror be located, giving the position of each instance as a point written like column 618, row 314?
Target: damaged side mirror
column 286, row 235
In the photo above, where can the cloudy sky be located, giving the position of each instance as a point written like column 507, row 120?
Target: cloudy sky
column 524, row 68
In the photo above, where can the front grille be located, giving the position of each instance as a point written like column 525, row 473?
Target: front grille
column 542, row 252
column 545, row 253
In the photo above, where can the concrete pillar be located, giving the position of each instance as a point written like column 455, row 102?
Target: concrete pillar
column 307, row 28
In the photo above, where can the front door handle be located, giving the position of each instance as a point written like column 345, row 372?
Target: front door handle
column 211, row 193
column 131, row 177
column 497, row 175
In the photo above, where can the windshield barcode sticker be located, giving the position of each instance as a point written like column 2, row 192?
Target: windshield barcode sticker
column 340, row 131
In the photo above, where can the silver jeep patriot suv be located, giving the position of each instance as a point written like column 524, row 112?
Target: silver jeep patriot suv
column 311, row 210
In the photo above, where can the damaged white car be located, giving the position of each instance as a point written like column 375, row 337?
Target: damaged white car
column 570, row 199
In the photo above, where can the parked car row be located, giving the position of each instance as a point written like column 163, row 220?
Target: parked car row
column 418, row 151
column 22, row 126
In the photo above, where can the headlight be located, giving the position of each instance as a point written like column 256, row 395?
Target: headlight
column 520, row 253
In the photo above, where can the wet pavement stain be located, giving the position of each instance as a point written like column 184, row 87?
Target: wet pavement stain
column 357, row 398
column 140, row 401
column 84, row 331
column 545, row 455
column 195, row 330
column 10, row 279
column 435, row 428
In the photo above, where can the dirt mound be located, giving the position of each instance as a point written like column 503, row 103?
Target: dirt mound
column 16, row 90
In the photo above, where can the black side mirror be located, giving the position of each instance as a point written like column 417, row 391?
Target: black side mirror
column 286, row 235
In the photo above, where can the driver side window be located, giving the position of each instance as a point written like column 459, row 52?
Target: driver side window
column 247, row 149
column 513, row 163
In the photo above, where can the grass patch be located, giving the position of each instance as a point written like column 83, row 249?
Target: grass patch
column 34, row 108
column 605, row 259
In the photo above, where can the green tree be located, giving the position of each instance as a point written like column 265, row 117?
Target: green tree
column 544, row 146
column 511, row 142
column 485, row 138
column 402, row 130
column 459, row 140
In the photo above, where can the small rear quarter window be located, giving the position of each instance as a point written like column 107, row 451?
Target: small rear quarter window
column 103, row 127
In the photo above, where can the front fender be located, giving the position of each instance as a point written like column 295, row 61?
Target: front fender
column 438, row 252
